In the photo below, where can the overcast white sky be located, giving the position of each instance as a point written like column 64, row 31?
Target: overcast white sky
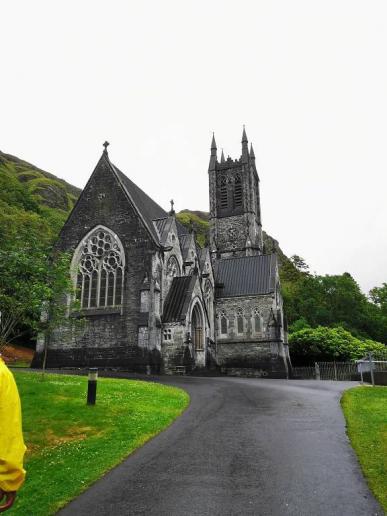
column 155, row 78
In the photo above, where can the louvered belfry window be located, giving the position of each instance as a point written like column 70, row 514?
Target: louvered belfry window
column 237, row 191
column 223, row 193
column 100, row 271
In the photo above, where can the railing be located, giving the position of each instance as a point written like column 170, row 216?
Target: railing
column 374, row 365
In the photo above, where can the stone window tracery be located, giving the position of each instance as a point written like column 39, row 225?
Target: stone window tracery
column 223, row 322
column 239, row 321
column 173, row 268
column 257, row 321
column 100, row 271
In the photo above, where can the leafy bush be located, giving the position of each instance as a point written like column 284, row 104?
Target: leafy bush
column 200, row 226
column 321, row 344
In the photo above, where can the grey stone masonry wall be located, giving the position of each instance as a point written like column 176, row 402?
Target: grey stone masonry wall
column 242, row 349
column 108, row 338
column 176, row 351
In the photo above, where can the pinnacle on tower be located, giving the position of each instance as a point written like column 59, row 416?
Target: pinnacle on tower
column 222, row 160
column 213, row 144
column 244, row 136
column 213, row 157
column 252, row 155
column 245, row 148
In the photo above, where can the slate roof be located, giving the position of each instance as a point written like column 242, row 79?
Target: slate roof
column 181, row 230
column 161, row 224
column 162, row 227
column 246, row 275
column 178, row 298
column 146, row 206
column 185, row 242
column 155, row 216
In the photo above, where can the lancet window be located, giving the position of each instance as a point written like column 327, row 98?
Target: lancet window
column 100, row 270
column 239, row 322
column 223, row 323
column 257, row 321
column 173, row 268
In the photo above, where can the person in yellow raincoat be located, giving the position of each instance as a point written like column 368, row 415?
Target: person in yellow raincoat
column 12, row 446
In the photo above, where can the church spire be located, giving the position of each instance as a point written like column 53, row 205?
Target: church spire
column 222, row 160
column 245, row 147
column 213, row 157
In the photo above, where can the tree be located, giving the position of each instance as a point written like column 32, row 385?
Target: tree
column 378, row 296
column 311, row 345
column 300, row 264
column 333, row 300
column 32, row 281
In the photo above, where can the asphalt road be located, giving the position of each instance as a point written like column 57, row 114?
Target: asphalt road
column 243, row 447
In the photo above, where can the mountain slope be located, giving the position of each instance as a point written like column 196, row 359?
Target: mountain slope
column 46, row 188
column 25, row 187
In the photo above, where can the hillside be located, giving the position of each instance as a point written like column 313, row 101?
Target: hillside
column 34, row 205
column 46, row 188
column 28, row 188
column 32, row 199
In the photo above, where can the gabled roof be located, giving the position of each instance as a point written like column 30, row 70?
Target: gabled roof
column 246, row 275
column 146, row 207
column 155, row 216
column 178, row 298
column 181, row 230
column 163, row 226
column 185, row 244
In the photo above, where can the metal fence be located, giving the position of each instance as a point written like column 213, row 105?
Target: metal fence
column 366, row 369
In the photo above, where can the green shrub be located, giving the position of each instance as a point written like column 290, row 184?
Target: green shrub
column 320, row 344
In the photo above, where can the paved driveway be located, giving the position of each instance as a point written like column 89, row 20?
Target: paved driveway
column 244, row 447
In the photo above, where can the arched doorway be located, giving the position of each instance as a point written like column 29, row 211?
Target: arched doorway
column 197, row 329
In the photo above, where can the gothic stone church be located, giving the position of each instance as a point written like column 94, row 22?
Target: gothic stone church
column 152, row 300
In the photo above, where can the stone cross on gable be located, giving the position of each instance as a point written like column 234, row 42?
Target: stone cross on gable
column 106, row 145
column 172, row 207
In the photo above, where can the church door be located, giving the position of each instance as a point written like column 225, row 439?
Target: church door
column 197, row 332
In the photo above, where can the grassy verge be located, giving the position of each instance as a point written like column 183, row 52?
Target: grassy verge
column 365, row 410
column 70, row 444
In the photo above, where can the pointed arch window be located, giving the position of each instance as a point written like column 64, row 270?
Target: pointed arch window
column 257, row 321
column 100, row 262
column 173, row 268
column 240, row 322
column 222, row 323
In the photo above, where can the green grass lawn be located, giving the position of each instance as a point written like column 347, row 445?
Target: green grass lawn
column 365, row 410
column 70, row 444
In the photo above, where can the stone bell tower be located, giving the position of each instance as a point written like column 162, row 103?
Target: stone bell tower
column 235, row 212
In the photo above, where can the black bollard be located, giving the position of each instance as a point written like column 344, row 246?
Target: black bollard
column 92, row 385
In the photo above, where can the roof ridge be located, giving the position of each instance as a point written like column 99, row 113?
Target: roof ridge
column 244, row 257
column 143, row 204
